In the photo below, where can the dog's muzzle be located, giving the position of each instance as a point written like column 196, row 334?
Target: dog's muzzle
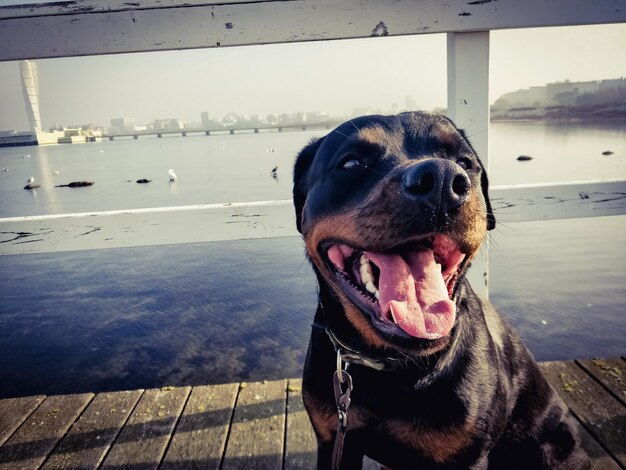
column 437, row 185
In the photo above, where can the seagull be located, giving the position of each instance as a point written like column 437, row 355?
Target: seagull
column 274, row 172
column 30, row 184
column 173, row 176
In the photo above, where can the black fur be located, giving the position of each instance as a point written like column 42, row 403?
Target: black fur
column 475, row 399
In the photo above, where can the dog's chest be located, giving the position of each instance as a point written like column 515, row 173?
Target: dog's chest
column 437, row 425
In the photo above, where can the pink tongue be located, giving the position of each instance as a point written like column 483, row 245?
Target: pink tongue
column 413, row 291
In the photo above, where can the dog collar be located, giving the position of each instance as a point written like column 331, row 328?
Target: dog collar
column 350, row 355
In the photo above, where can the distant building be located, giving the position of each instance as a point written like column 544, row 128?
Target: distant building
column 35, row 136
column 30, row 87
column 409, row 103
column 168, row 124
column 316, row 116
column 124, row 124
column 231, row 119
column 363, row 111
column 298, row 118
column 17, row 139
column 205, row 121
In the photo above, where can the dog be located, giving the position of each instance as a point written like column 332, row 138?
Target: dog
column 392, row 209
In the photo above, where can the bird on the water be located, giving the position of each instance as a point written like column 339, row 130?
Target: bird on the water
column 30, row 183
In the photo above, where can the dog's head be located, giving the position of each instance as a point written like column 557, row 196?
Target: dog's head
column 392, row 209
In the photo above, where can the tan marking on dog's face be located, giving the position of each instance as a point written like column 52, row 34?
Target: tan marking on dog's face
column 440, row 446
column 448, row 137
column 470, row 226
column 340, row 227
column 349, row 227
column 373, row 135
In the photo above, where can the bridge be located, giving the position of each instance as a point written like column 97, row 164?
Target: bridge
column 227, row 130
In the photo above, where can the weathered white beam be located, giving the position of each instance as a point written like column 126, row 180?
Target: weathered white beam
column 218, row 222
column 468, row 106
column 142, row 227
column 89, row 27
column 468, row 87
column 523, row 203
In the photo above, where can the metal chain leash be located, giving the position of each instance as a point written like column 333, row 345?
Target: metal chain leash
column 342, row 384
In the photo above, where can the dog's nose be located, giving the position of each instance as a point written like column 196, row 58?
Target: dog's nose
column 437, row 183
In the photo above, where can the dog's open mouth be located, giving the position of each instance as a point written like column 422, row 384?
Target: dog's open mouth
column 406, row 290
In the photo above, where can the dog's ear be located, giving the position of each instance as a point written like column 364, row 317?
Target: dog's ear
column 301, row 168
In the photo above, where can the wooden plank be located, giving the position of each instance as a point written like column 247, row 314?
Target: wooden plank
column 14, row 411
column 600, row 459
column 300, row 443
column 87, row 27
column 200, row 436
column 610, row 372
column 256, row 437
column 36, row 437
column 145, row 436
column 89, row 438
column 601, row 414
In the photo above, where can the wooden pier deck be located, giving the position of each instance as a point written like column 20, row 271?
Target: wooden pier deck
column 259, row 425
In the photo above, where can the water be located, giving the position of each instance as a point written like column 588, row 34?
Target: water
column 220, row 312
column 211, row 169
column 227, row 168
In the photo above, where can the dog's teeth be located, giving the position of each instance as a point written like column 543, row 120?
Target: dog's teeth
column 366, row 272
column 367, row 276
column 370, row 287
column 377, row 295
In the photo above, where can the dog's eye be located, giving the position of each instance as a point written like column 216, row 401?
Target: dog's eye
column 464, row 163
column 350, row 163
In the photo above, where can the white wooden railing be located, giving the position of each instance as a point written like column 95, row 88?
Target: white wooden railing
column 88, row 27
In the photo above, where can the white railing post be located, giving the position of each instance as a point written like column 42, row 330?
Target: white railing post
column 468, row 106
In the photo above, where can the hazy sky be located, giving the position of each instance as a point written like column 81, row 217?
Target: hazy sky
column 335, row 76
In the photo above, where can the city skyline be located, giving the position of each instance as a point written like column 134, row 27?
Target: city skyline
column 334, row 77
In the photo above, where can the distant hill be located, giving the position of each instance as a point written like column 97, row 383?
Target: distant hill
column 564, row 100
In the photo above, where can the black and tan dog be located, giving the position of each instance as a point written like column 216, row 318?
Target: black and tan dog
column 392, row 210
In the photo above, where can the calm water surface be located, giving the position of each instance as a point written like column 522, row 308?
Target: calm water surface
column 225, row 168
column 220, row 312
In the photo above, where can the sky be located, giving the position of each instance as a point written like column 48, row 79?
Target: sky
column 331, row 76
